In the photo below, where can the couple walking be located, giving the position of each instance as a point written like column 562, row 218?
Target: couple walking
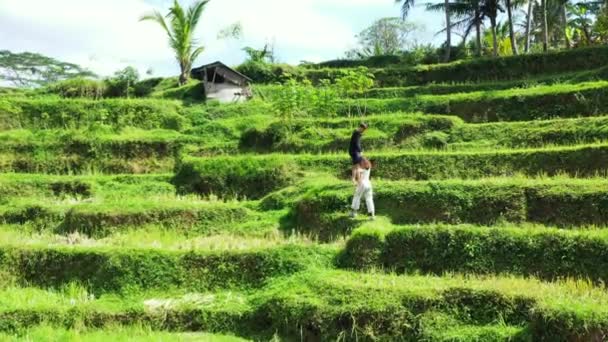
column 361, row 171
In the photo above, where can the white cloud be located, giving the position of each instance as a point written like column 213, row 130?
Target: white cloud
column 105, row 35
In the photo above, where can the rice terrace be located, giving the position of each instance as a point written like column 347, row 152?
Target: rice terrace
column 401, row 186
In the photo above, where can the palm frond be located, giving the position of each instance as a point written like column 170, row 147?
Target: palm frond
column 158, row 18
column 405, row 7
column 196, row 53
column 195, row 12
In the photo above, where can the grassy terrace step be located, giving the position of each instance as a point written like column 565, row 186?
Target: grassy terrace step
column 415, row 131
column 33, row 185
column 129, row 143
column 108, row 266
column 255, row 176
column 503, row 68
column 100, row 218
column 323, row 204
column 442, row 327
column 325, row 305
column 75, row 164
column 117, row 334
column 264, row 133
column 468, row 87
column 548, row 253
column 541, row 102
column 51, row 112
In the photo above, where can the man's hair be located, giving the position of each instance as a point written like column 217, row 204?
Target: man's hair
column 363, row 125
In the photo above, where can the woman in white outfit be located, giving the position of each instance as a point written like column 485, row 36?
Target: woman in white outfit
column 363, row 189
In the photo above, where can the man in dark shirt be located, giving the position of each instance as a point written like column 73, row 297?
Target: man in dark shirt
column 355, row 149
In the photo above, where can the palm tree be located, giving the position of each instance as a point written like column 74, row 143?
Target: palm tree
column 529, row 16
column 408, row 4
column 468, row 15
column 509, row 6
column 490, row 8
column 581, row 20
column 545, row 28
column 180, row 26
column 564, row 19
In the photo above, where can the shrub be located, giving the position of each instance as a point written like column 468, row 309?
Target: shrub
column 78, row 88
column 240, row 177
column 547, row 253
column 45, row 113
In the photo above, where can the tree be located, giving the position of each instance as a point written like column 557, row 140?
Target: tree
column 545, row 28
column 600, row 26
column 509, row 6
column 180, row 27
column 529, row 16
column 264, row 55
column 581, row 21
column 29, row 69
column 468, row 15
column 386, row 36
column 408, row 4
column 122, row 82
column 490, row 8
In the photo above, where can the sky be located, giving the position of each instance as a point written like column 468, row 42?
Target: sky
column 106, row 35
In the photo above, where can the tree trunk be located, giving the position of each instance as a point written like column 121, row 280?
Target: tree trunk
column 448, row 31
column 494, row 41
column 511, row 31
column 478, row 34
column 587, row 35
column 543, row 4
column 528, row 25
column 565, row 21
column 183, row 76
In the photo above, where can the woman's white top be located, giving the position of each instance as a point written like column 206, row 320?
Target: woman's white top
column 364, row 177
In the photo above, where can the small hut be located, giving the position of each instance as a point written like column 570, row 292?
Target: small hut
column 223, row 83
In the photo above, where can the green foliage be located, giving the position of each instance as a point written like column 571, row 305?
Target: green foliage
column 111, row 270
column 385, row 37
column 122, row 83
column 263, row 72
column 180, row 25
column 565, row 203
column 44, row 113
column 526, row 104
column 544, row 252
column 242, row 177
column 113, row 333
column 294, row 99
column 78, row 88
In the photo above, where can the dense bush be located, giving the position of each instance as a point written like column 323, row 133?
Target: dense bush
column 78, row 88
column 44, row 113
column 543, row 102
column 114, row 270
column 264, row 72
column 478, row 69
column 512, row 67
column 547, row 253
column 242, row 177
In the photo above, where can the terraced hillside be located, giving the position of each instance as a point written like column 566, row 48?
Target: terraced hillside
column 157, row 220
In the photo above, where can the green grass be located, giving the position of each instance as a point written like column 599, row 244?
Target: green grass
column 117, row 333
column 249, row 171
column 535, row 103
column 547, row 253
column 120, row 269
column 325, row 304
